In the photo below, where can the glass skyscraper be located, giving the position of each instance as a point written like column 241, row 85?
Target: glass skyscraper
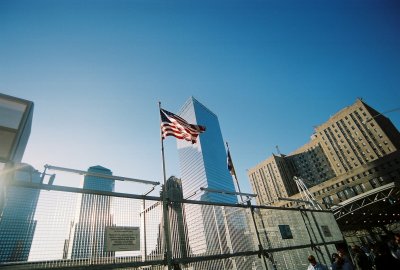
column 94, row 216
column 211, row 229
column 203, row 164
column 17, row 224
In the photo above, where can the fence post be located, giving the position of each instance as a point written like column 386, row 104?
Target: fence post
column 322, row 238
column 313, row 246
column 260, row 247
column 167, row 234
column 268, row 242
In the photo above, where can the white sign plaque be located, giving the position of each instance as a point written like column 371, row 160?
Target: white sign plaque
column 122, row 238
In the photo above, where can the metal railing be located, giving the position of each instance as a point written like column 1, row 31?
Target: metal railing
column 64, row 228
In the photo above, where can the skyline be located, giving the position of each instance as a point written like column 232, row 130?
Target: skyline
column 269, row 70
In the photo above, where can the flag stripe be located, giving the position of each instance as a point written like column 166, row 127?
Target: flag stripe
column 173, row 125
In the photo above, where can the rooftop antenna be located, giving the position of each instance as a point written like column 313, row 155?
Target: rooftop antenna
column 277, row 149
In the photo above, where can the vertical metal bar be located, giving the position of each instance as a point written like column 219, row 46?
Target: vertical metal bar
column 228, row 236
column 313, row 246
column 167, row 241
column 218, row 235
column 268, row 241
column 322, row 237
column 260, row 247
column 144, row 230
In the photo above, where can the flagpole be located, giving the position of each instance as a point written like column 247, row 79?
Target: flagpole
column 234, row 173
column 165, row 203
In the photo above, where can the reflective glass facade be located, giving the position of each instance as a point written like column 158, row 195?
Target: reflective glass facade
column 94, row 216
column 17, row 224
column 203, row 164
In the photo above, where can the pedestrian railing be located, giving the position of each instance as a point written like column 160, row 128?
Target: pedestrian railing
column 58, row 227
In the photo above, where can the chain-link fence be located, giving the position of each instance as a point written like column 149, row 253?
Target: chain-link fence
column 57, row 227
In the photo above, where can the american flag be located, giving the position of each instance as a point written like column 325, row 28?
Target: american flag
column 230, row 164
column 173, row 125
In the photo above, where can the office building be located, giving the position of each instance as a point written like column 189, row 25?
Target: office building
column 93, row 218
column 203, row 164
column 211, row 229
column 275, row 180
column 353, row 154
column 17, row 223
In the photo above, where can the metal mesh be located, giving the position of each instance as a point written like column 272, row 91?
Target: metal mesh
column 305, row 228
column 239, row 262
column 67, row 229
column 216, row 230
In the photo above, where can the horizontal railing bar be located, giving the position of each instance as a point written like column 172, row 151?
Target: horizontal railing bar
column 83, row 191
column 70, row 265
column 146, row 197
column 214, row 257
column 247, row 253
column 291, row 209
column 302, row 246
column 246, row 206
column 114, row 177
column 220, row 191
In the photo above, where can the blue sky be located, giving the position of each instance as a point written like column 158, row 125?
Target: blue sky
column 270, row 70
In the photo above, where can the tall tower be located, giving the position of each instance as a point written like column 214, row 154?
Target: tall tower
column 17, row 223
column 204, row 164
column 211, row 229
column 94, row 216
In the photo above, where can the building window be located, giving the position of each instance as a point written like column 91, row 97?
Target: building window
column 363, row 187
column 341, row 196
column 328, row 201
column 374, row 183
column 349, row 192
column 358, row 189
